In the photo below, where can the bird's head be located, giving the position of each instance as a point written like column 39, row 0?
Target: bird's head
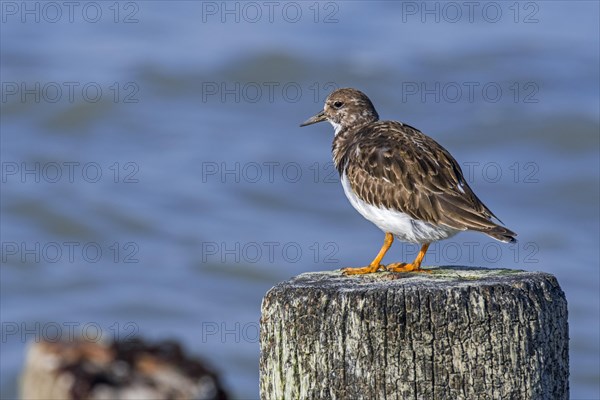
column 344, row 108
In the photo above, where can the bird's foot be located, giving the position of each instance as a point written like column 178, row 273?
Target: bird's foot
column 362, row 270
column 405, row 267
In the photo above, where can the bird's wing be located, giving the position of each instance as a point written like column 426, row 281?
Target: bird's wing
column 398, row 167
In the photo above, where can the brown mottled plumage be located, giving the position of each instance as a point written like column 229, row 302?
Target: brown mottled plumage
column 395, row 167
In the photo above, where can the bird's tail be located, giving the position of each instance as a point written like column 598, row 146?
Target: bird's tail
column 501, row 233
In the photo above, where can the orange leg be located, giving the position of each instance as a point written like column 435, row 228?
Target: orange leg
column 376, row 263
column 414, row 267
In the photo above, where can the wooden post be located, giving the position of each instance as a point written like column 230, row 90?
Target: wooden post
column 456, row 333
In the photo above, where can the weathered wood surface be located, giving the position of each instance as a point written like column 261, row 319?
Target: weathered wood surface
column 130, row 369
column 457, row 333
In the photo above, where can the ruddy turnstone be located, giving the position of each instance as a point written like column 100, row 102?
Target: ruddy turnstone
column 401, row 180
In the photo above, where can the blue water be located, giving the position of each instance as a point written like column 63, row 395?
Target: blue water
column 155, row 180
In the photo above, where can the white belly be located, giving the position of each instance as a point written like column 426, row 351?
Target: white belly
column 397, row 223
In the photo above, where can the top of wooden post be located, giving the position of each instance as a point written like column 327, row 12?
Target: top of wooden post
column 440, row 277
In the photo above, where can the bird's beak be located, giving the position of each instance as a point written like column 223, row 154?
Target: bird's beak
column 313, row 120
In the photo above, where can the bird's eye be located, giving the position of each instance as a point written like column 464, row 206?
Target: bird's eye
column 338, row 104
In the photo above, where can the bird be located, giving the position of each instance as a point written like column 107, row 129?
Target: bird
column 401, row 180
